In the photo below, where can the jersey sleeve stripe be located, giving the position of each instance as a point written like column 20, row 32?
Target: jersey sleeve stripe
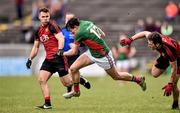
column 56, row 27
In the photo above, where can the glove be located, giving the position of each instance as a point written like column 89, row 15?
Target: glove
column 168, row 89
column 126, row 41
column 28, row 63
column 59, row 53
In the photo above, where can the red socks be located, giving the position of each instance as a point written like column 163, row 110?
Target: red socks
column 76, row 87
column 47, row 100
column 136, row 79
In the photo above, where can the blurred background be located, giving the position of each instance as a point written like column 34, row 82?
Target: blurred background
column 117, row 18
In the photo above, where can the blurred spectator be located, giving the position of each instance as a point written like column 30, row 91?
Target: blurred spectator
column 140, row 26
column 27, row 32
column 19, row 9
column 171, row 11
column 57, row 9
column 178, row 12
column 149, row 25
column 158, row 26
column 179, row 8
column 166, row 29
column 124, row 56
column 35, row 8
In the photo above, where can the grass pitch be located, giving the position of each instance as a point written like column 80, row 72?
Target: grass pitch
column 22, row 94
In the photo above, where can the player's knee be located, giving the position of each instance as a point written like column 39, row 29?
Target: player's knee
column 73, row 69
column 155, row 75
column 41, row 80
column 68, row 83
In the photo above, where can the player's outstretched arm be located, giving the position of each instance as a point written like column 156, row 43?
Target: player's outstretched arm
column 143, row 34
column 128, row 41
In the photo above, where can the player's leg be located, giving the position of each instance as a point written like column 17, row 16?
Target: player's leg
column 82, row 61
column 83, row 80
column 125, row 76
column 45, row 73
column 61, row 66
column 107, row 63
column 43, row 79
column 67, row 82
column 159, row 66
column 118, row 75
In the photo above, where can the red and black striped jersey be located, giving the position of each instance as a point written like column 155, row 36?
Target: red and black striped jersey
column 46, row 35
column 170, row 49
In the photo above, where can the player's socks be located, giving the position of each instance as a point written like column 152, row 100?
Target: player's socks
column 76, row 87
column 141, row 81
column 136, row 79
column 47, row 104
column 47, row 100
column 69, row 88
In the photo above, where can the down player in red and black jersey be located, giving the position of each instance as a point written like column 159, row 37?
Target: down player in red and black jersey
column 169, row 51
column 50, row 35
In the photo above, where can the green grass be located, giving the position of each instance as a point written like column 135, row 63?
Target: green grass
column 22, row 94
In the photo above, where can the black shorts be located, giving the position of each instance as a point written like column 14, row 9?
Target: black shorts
column 72, row 59
column 55, row 65
column 163, row 63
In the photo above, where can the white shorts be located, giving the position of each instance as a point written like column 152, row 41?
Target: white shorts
column 105, row 62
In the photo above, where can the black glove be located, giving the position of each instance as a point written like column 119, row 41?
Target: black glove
column 59, row 53
column 28, row 63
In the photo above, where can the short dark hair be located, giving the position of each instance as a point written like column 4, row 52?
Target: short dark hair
column 72, row 23
column 155, row 37
column 44, row 9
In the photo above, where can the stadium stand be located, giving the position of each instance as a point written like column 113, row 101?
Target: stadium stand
column 113, row 16
column 116, row 16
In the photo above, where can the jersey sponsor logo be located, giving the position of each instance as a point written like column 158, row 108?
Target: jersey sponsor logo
column 44, row 38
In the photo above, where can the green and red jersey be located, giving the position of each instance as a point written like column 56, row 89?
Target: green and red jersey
column 90, row 35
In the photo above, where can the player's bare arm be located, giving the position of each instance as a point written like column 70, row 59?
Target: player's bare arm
column 128, row 41
column 59, row 36
column 72, row 51
column 173, row 71
column 34, row 50
column 143, row 34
